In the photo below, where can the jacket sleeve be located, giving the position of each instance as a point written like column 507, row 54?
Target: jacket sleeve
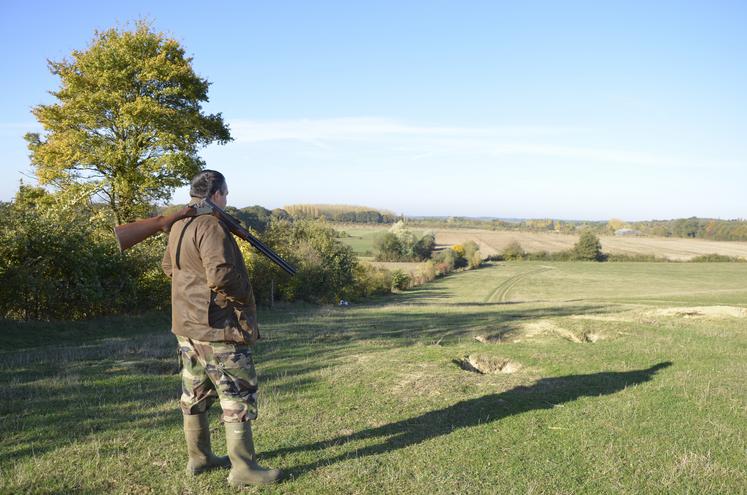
column 222, row 270
column 166, row 264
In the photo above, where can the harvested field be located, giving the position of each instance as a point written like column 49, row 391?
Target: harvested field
column 493, row 242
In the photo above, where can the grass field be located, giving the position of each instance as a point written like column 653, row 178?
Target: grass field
column 609, row 378
column 493, row 242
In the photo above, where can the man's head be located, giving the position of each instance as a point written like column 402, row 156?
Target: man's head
column 212, row 185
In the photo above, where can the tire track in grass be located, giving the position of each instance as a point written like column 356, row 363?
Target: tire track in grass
column 500, row 293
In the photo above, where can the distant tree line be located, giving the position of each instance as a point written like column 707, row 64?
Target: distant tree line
column 700, row 228
column 340, row 213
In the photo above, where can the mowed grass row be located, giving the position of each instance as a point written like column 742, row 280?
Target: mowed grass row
column 371, row 398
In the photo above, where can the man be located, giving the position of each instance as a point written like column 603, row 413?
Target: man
column 214, row 320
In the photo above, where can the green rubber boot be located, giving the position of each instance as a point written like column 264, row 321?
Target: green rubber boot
column 201, row 457
column 244, row 467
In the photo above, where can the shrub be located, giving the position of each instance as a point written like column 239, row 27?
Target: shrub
column 370, row 280
column 400, row 280
column 635, row 258
column 715, row 258
column 445, row 261
column 513, row 251
column 459, row 260
column 424, row 247
column 472, row 255
column 56, row 264
column 427, row 272
column 389, row 248
column 588, row 247
column 400, row 244
column 325, row 266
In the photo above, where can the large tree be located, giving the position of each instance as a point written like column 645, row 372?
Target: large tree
column 127, row 122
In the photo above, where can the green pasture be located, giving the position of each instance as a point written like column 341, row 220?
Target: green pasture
column 625, row 378
column 362, row 238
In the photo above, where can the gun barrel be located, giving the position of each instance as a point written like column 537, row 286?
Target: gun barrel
column 236, row 229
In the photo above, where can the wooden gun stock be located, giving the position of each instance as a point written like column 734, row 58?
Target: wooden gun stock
column 133, row 233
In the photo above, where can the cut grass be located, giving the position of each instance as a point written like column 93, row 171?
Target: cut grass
column 371, row 398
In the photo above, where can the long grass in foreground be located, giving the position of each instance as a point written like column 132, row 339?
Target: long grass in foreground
column 624, row 378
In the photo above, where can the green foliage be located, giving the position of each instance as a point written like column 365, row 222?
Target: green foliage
column 256, row 217
column 127, row 122
column 400, row 280
column 371, row 281
column 389, row 248
column 55, row 265
column 472, row 254
column 701, row 228
column 588, row 247
column 423, row 247
column 325, row 266
column 401, row 244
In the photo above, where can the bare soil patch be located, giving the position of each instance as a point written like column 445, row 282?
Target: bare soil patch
column 488, row 365
column 537, row 329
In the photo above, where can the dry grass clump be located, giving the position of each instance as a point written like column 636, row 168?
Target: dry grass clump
column 704, row 311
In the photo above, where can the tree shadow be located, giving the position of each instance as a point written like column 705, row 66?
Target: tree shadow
column 543, row 394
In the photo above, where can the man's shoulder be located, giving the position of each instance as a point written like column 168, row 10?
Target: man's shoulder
column 199, row 225
column 210, row 227
column 206, row 220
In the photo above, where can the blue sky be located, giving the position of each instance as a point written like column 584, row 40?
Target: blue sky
column 583, row 110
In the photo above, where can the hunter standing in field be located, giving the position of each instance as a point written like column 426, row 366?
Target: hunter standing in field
column 214, row 318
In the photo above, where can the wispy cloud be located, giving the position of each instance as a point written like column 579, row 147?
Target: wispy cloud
column 370, row 128
column 430, row 140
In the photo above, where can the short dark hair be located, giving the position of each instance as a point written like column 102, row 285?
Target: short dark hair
column 207, row 183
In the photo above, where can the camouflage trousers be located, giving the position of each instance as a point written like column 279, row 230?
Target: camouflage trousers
column 218, row 370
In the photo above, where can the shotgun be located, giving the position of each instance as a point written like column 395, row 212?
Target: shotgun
column 130, row 234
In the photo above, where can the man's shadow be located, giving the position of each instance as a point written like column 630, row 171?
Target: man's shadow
column 543, row 394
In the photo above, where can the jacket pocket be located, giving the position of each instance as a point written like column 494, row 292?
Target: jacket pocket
column 219, row 313
column 248, row 326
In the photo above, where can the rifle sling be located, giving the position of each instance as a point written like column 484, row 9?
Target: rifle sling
column 179, row 244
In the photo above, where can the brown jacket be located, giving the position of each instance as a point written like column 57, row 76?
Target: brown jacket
column 211, row 298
